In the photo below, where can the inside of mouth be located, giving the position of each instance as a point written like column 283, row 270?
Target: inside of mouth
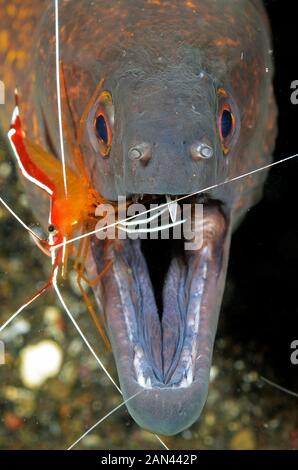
column 158, row 255
column 163, row 285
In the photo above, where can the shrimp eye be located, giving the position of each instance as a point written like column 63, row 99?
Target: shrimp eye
column 226, row 126
column 103, row 122
column 52, row 229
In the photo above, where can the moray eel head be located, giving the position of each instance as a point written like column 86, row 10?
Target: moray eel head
column 185, row 102
column 161, row 300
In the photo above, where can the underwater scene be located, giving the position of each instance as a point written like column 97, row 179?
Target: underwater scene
column 148, row 225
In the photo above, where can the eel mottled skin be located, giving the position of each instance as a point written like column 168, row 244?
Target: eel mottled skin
column 168, row 65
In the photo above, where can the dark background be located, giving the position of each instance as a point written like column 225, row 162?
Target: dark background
column 258, row 322
column 261, row 301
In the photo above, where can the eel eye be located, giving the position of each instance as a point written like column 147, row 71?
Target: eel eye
column 101, row 128
column 102, row 123
column 226, row 126
column 226, row 123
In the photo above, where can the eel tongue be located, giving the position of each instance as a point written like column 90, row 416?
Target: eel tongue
column 168, row 360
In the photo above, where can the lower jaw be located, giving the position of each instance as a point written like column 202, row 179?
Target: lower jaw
column 166, row 363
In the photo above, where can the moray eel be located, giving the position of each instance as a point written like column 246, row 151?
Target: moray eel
column 190, row 105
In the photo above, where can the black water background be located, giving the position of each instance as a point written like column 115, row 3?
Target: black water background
column 261, row 302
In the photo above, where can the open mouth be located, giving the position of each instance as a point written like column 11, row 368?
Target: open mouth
column 161, row 300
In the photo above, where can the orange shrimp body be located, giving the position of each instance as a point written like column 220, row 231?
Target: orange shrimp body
column 72, row 205
column 69, row 211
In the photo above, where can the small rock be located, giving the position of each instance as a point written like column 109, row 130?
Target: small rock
column 243, row 440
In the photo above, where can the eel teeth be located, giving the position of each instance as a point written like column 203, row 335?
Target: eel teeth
column 172, row 206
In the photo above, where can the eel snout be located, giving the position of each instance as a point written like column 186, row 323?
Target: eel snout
column 167, row 410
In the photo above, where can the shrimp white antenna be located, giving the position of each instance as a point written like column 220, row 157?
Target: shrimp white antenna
column 161, row 441
column 2, row 327
column 279, row 387
column 59, row 95
column 93, row 353
column 161, row 206
column 12, row 212
column 151, row 230
column 103, row 419
column 55, row 285
column 27, row 304
column 10, row 320
column 107, row 416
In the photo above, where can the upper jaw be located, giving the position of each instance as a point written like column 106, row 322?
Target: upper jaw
column 166, row 360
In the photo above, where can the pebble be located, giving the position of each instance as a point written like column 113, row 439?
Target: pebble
column 243, row 440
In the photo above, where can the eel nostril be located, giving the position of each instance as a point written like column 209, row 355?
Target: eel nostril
column 135, row 154
column 201, row 151
column 140, row 152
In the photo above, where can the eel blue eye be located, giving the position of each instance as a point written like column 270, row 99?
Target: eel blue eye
column 101, row 129
column 226, row 123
